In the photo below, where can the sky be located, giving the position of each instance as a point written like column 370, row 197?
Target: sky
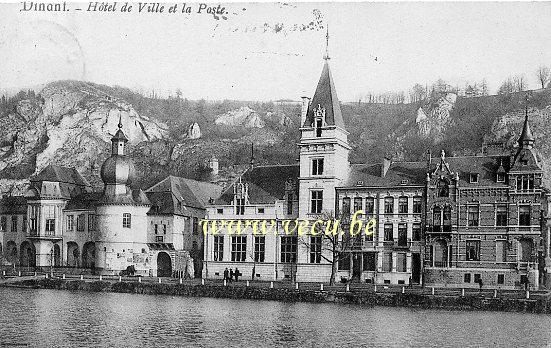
column 268, row 51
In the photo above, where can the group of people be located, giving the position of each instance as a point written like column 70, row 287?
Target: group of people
column 231, row 274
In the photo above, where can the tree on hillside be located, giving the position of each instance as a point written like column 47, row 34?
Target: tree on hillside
column 543, row 75
column 507, row 87
column 519, row 83
column 417, row 93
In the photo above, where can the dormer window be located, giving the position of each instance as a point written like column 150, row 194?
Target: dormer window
column 319, row 117
column 500, row 177
column 473, row 178
column 524, row 162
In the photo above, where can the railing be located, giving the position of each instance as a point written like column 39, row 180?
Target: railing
column 440, row 264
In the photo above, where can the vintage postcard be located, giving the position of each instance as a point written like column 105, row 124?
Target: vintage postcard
column 239, row 174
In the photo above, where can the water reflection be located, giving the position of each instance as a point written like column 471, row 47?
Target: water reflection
column 48, row 318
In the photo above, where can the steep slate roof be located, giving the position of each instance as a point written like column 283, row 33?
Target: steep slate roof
column 266, row 183
column 416, row 172
column 13, row 205
column 56, row 173
column 166, row 195
column 84, row 201
column 136, row 197
column 326, row 97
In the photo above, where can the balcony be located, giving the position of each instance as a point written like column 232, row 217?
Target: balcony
column 34, row 234
column 439, row 229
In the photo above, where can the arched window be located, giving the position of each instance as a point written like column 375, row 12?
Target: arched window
column 437, row 218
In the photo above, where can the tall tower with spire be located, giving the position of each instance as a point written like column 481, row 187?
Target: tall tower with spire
column 324, row 148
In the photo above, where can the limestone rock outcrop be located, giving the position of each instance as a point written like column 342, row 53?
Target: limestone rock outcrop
column 244, row 116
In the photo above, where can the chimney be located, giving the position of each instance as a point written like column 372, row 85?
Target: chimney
column 304, row 111
column 385, row 166
column 213, row 164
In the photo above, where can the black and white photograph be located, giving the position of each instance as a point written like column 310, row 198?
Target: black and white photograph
column 275, row 174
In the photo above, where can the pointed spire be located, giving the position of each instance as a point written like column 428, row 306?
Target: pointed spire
column 326, row 56
column 526, row 139
column 120, row 121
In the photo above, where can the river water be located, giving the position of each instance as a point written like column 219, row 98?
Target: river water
column 52, row 318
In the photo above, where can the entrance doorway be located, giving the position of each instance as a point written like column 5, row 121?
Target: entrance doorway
column 164, row 265
column 415, row 268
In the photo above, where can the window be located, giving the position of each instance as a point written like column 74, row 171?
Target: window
column 525, row 182
column 416, row 232
column 34, row 218
column 473, row 178
column 81, row 220
column 467, row 278
column 260, row 210
column 288, row 249
column 156, row 229
column 315, row 249
column 3, row 223
column 346, row 206
column 501, row 251
column 501, row 215
column 501, row 279
column 91, row 222
column 472, row 215
column 369, row 205
column 443, row 188
column 239, row 206
column 259, row 248
column 70, row 222
column 447, row 218
column 126, row 220
column 317, row 166
column 24, row 223
column 370, row 261
column 416, row 205
column 316, row 203
column 164, row 229
column 219, row 211
column 344, row 262
column 50, row 227
column 195, row 226
column 318, row 123
column 14, row 223
column 218, row 248
column 357, row 204
column 524, row 215
column 402, row 235
column 289, row 203
column 159, row 239
column 477, row 278
column 500, row 177
column 402, row 205
column 387, row 262
column 238, row 248
column 473, row 250
column 400, row 262
column 388, row 233
column 389, row 205
column 437, row 217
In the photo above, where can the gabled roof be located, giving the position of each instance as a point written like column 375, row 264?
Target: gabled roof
column 61, row 174
column 166, row 195
column 326, row 98
column 266, row 183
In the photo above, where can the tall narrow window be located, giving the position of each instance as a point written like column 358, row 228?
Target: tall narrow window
column 318, row 123
column 416, row 205
column 416, row 232
column 387, row 262
column 218, row 248
column 389, row 237
column 357, row 204
column 443, row 188
column 238, row 248
column 316, row 202
column 91, row 222
column 259, row 248
column 34, row 219
column 501, row 215
column 402, row 205
column 317, row 166
column 389, row 205
column 524, row 215
column 437, row 218
column 289, row 203
column 50, row 215
column 401, row 262
column 25, row 223
column 14, row 223
column 3, row 223
column 289, row 249
column 346, row 206
column 369, row 205
column 447, row 218
column 472, row 215
column 239, row 206
column 315, row 249
column 195, row 226
column 501, row 251
column 402, row 235
column 126, row 220
column 81, row 221
column 473, row 250
column 70, row 222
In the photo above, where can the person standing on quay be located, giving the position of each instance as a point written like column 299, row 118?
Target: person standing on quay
column 231, row 275
column 226, row 273
column 236, row 275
